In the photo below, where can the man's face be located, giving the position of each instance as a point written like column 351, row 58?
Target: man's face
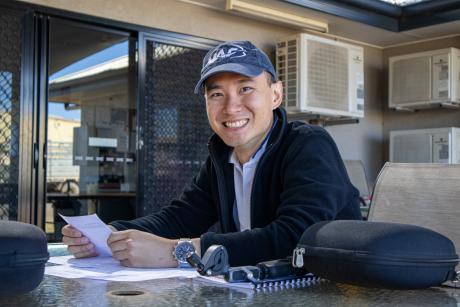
column 240, row 109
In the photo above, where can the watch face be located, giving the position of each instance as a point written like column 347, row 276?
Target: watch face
column 183, row 249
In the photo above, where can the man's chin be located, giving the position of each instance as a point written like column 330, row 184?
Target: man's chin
column 231, row 142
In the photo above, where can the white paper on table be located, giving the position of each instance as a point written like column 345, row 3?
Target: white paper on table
column 91, row 262
column 107, row 268
column 94, row 229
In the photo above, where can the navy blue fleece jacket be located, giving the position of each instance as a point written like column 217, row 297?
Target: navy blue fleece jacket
column 300, row 180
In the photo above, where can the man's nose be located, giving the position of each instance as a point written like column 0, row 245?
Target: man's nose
column 232, row 104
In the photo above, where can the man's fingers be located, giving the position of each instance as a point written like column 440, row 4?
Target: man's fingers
column 77, row 244
column 118, row 235
column 78, row 249
column 121, row 255
column 69, row 231
column 86, row 254
column 125, row 259
column 127, row 263
column 75, row 241
column 118, row 245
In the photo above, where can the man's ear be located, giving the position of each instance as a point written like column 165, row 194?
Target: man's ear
column 277, row 89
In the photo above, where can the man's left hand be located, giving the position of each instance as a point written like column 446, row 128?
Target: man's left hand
column 134, row 248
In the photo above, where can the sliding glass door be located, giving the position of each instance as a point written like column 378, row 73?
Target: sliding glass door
column 91, row 162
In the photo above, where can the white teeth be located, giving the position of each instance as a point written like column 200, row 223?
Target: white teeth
column 236, row 124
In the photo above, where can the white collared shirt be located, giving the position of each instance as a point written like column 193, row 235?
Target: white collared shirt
column 243, row 177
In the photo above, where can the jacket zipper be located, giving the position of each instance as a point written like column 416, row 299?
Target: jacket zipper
column 23, row 260
column 297, row 257
column 359, row 255
column 220, row 185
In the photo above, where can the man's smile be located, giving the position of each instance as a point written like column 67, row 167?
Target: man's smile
column 236, row 123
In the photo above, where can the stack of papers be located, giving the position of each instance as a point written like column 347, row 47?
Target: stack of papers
column 103, row 267
column 107, row 268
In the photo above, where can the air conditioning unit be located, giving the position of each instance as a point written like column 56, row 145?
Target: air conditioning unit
column 424, row 80
column 321, row 76
column 438, row 145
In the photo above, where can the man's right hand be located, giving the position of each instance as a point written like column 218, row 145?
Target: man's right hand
column 77, row 244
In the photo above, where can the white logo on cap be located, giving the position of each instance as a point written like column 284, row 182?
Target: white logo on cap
column 227, row 51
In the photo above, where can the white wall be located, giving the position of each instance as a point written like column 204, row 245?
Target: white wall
column 363, row 141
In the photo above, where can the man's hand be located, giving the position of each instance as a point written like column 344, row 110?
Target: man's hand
column 134, row 248
column 77, row 244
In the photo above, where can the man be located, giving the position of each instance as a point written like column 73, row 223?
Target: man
column 265, row 180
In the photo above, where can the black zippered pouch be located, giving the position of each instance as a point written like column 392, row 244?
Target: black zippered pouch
column 376, row 254
column 23, row 254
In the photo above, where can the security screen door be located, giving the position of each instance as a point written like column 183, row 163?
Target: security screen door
column 10, row 78
column 175, row 129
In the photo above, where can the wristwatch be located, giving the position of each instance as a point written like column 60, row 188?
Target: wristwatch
column 181, row 251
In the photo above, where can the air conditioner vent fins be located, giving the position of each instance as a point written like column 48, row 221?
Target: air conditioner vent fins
column 321, row 76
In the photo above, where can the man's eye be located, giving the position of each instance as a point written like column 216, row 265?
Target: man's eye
column 215, row 95
column 246, row 89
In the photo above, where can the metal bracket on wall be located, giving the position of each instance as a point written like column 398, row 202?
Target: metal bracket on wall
column 321, row 120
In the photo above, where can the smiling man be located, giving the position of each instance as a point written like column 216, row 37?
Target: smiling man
column 265, row 180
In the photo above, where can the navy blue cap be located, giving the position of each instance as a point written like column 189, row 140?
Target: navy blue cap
column 240, row 57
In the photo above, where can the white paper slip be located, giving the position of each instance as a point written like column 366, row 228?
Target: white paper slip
column 94, row 229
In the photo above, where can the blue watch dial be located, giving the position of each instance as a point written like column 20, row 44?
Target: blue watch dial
column 183, row 249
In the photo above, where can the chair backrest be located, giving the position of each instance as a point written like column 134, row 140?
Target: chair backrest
column 357, row 175
column 422, row 194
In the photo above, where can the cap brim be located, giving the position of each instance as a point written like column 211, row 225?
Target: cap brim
column 245, row 70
